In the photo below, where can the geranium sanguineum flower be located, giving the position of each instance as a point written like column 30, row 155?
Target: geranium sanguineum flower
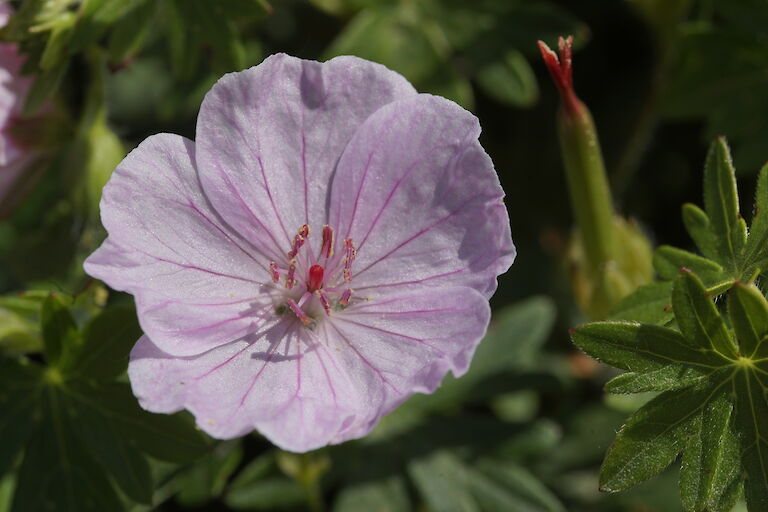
column 325, row 248
column 14, row 158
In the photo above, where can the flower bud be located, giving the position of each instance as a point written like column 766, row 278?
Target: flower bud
column 609, row 257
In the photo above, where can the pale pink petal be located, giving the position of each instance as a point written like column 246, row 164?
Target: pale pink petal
column 268, row 139
column 305, row 389
column 197, row 283
column 420, row 198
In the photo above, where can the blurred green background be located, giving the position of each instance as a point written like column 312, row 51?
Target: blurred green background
column 526, row 429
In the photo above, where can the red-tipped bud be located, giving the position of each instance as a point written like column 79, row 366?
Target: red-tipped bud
column 561, row 70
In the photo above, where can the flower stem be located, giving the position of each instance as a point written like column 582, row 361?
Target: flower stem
column 588, row 186
column 585, row 171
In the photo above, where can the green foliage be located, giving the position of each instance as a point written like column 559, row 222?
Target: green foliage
column 719, row 62
column 712, row 401
column 82, row 434
column 708, row 366
column 444, row 46
column 730, row 251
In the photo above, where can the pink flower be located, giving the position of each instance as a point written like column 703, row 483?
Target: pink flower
column 323, row 250
column 13, row 90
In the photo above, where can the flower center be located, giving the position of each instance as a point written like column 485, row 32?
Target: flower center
column 313, row 279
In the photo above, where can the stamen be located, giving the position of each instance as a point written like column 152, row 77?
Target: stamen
column 299, row 240
column 306, row 320
column 315, row 278
column 290, row 279
column 324, row 301
column 350, row 253
column 345, row 296
column 326, row 249
column 275, row 272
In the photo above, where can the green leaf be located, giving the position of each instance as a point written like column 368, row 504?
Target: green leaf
column 57, row 46
column 699, row 228
column 501, row 485
column 643, row 348
column 722, row 203
column 60, row 334
column 206, row 479
column 441, row 480
column 749, row 316
column 664, row 379
column 256, row 470
column 698, row 318
column 162, row 436
column 709, row 476
column 385, row 495
column 653, row 437
column 756, row 250
column 108, row 340
column 19, row 392
column 57, row 472
column 390, row 36
column 650, row 304
column 668, row 261
column 513, row 342
column 510, row 81
column 751, row 412
column 44, row 87
column 130, row 32
column 269, row 494
column 126, row 465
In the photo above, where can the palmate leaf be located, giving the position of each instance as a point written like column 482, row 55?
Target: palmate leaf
column 713, row 376
column 730, row 252
column 82, row 434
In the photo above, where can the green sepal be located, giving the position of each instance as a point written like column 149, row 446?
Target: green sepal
column 698, row 317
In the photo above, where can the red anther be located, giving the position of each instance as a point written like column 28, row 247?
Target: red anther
column 327, row 247
column 315, row 278
column 290, row 279
column 275, row 273
column 298, row 241
column 345, row 296
column 306, row 320
column 324, row 301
